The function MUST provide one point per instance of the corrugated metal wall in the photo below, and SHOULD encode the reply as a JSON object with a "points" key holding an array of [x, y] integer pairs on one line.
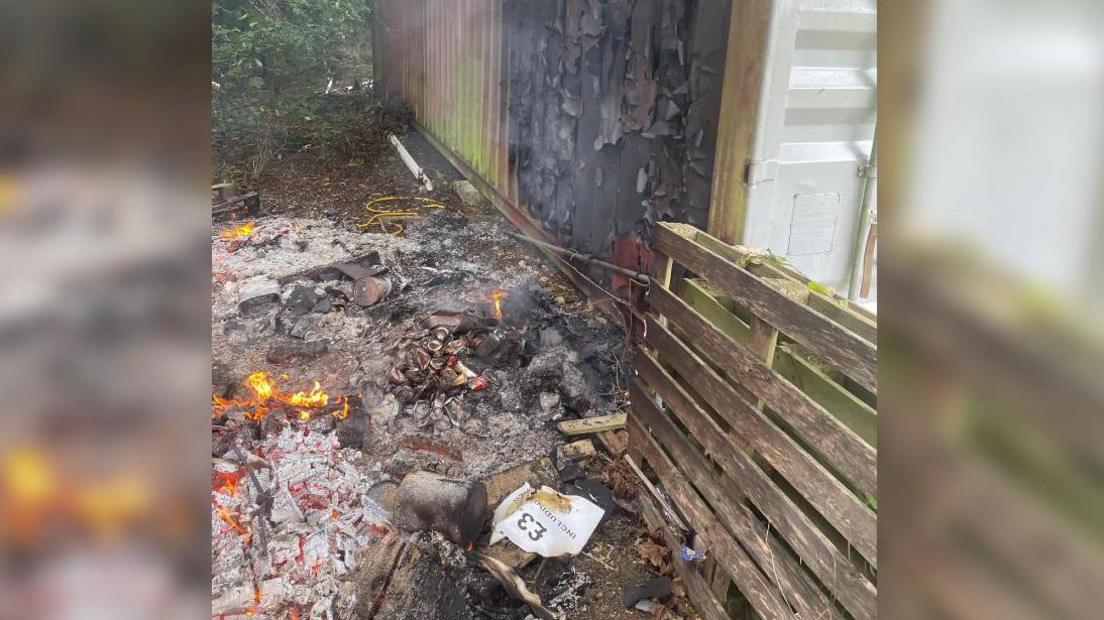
{"points": [[595, 118], [445, 59]]}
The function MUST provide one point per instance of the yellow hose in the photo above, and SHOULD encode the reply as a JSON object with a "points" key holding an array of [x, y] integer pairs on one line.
{"points": [[380, 215]]}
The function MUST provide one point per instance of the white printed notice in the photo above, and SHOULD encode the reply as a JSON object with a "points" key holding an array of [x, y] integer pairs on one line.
{"points": [[545, 521]]}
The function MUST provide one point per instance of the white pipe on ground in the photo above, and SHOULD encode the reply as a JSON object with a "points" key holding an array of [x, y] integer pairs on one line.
{"points": [[412, 165]]}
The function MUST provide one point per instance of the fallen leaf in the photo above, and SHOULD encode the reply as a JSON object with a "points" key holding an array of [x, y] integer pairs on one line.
{"points": [[656, 555]]}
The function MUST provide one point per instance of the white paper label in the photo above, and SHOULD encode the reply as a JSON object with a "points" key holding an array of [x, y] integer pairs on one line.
{"points": [[548, 523]]}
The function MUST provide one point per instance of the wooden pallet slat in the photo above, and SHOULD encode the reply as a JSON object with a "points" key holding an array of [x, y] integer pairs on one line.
{"points": [[835, 398], [851, 354], [754, 405], [830, 565], [833, 501], [696, 586], [853, 317], [764, 597], [773, 558], [836, 442]]}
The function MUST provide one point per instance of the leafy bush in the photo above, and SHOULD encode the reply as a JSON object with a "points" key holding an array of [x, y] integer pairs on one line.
{"points": [[271, 63]]}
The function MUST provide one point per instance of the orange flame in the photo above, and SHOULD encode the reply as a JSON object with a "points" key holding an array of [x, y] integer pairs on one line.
{"points": [[239, 232], [496, 297], [264, 389], [261, 384], [224, 514], [316, 397], [344, 413]]}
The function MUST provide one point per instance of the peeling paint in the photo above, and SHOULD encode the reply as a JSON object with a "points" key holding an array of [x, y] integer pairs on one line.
{"points": [[597, 116]]}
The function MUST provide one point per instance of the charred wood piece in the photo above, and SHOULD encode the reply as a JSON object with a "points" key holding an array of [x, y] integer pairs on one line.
{"points": [[246, 205]]}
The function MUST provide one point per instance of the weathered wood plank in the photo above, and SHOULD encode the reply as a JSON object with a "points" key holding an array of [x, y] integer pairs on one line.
{"points": [[669, 510], [838, 400], [849, 585], [838, 346], [614, 442], [849, 454], [845, 406], [763, 595], [807, 586], [698, 296], [779, 564], [847, 317], [839, 309], [841, 508], [696, 587], [597, 424], [762, 341]]}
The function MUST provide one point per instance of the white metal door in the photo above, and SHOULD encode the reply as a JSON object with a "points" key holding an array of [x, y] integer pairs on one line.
{"points": [[814, 135]]}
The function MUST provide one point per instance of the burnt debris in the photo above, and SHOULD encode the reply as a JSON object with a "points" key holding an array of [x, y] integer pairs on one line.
{"points": [[376, 439]]}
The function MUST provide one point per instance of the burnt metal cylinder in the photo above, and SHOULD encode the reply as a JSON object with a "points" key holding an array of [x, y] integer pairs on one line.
{"points": [[429, 501]]}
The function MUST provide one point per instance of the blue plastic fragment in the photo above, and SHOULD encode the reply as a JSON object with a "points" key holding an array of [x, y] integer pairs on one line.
{"points": [[690, 555]]}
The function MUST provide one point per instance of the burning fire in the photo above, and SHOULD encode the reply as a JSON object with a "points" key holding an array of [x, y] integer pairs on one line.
{"points": [[344, 413], [239, 232], [496, 297], [262, 385], [224, 514], [264, 391], [316, 398]]}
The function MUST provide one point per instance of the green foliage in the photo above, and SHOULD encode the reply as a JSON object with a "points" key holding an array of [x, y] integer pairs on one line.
{"points": [[271, 61]]}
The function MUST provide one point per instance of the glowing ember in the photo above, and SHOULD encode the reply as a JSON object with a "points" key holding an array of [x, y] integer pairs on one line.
{"points": [[239, 232], [229, 481], [304, 415], [496, 297], [28, 478], [258, 413]]}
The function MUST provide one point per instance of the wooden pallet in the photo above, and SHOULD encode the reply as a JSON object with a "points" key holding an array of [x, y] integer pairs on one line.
{"points": [[754, 405]]}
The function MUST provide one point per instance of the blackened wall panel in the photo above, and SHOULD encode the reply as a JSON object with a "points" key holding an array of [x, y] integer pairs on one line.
{"points": [[597, 117]]}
